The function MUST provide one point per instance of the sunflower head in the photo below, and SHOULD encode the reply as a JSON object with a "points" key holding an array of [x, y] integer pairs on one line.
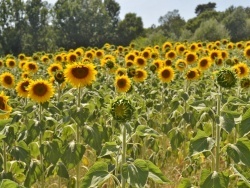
{"points": [[122, 83], [153, 67], [226, 78], [245, 83], [110, 64], [59, 76], [131, 72], [122, 110], [4, 106]]}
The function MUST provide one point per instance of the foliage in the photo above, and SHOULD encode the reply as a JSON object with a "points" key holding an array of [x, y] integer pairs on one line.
{"points": [[204, 7]]}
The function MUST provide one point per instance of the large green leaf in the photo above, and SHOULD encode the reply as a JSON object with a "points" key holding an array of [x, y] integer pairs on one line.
{"points": [[244, 127], [9, 134], [233, 152], [51, 151], [136, 173], [143, 130], [176, 138], [6, 183], [201, 143], [34, 173], [227, 122], [73, 154], [109, 148], [21, 152], [185, 183], [243, 145], [96, 175], [213, 180], [155, 173]]}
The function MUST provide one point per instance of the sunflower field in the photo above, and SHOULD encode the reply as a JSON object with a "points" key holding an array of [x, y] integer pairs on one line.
{"points": [[173, 115]]}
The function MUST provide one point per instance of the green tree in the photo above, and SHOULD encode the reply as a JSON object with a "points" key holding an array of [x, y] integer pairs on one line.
{"points": [[38, 16], [204, 7], [236, 24], [211, 30], [129, 29], [172, 24], [12, 23]]}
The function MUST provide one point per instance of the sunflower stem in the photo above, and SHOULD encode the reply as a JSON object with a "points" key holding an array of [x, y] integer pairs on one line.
{"points": [[40, 143], [217, 157], [78, 139], [124, 149], [4, 158], [59, 92]]}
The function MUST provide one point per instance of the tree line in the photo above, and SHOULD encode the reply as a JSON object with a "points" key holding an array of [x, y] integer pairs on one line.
{"points": [[35, 25]]}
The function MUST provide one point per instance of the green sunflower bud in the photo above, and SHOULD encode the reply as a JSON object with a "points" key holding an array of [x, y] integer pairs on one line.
{"points": [[226, 78], [110, 64], [59, 77], [245, 83], [152, 68], [122, 110], [131, 72]]}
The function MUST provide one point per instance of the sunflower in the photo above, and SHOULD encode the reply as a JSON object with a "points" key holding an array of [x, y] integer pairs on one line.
{"points": [[72, 57], [158, 63], [247, 52], [31, 67], [80, 74], [79, 52], [59, 76], [245, 83], [193, 47], [25, 75], [166, 46], [140, 61], [121, 71], [146, 53], [181, 64], [21, 56], [204, 63], [192, 74], [219, 61], [58, 58], [239, 45], [122, 83], [230, 46], [167, 62], [120, 49], [241, 70], [122, 110], [129, 63], [171, 54], [53, 68], [166, 74], [10, 63], [7, 79], [90, 54], [140, 75], [44, 59], [191, 57], [1, 63], [4, 106], [22, 86], [99, 53], [40, 90], [154, 55], [130, 56], [224, 54], [180, 48]]}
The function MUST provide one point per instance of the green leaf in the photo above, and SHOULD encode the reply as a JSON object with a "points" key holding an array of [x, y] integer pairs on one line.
{"points": [[233, 152], [9, 134], [155, 173], [214, 180], [96, 175], [68, 132], [6, 183], [21, 152], [185, 183], [201, 143], [61, 170], [109, 148], [243, 145], [227, 122], [4, 122], [143, 130], [51, 151], [136, 173], [72, 154], [244, 127], [176, 138], [34, 173], [34, 149]]}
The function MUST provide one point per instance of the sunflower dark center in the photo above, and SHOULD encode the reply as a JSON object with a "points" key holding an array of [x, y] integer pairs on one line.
{"points": [[139, 74], [168, 62], [54, 69], [72, 58], [80, 72], [8, 80], [121, 83], [190, 57], [40, 89], [2, 104], [12, 63], [248, 52], [140, 61], [24, 86], [131, 57], [165, 74], [32, 67], [203, 63], [191, 74], [171, 55], [242, 70]]}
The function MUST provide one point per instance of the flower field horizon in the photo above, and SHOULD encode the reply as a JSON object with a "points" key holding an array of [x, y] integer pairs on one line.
{"points": [[173, 115]]}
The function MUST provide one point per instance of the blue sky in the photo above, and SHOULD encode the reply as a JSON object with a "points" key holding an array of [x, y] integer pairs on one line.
{"points": [[151, 10]]}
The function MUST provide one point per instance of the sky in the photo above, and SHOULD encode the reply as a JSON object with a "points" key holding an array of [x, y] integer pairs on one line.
{"points": [[151, 10]]}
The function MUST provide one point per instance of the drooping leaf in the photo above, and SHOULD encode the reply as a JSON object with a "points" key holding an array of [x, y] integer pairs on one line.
{"points": [[214, 180], [96, 175], [34, 173], [51, 151], [176, 138], [143, 130], [201, 143], [109, 148], [155, 173], [227, 122], [73, 154], [21, 152], [244, 127]]}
